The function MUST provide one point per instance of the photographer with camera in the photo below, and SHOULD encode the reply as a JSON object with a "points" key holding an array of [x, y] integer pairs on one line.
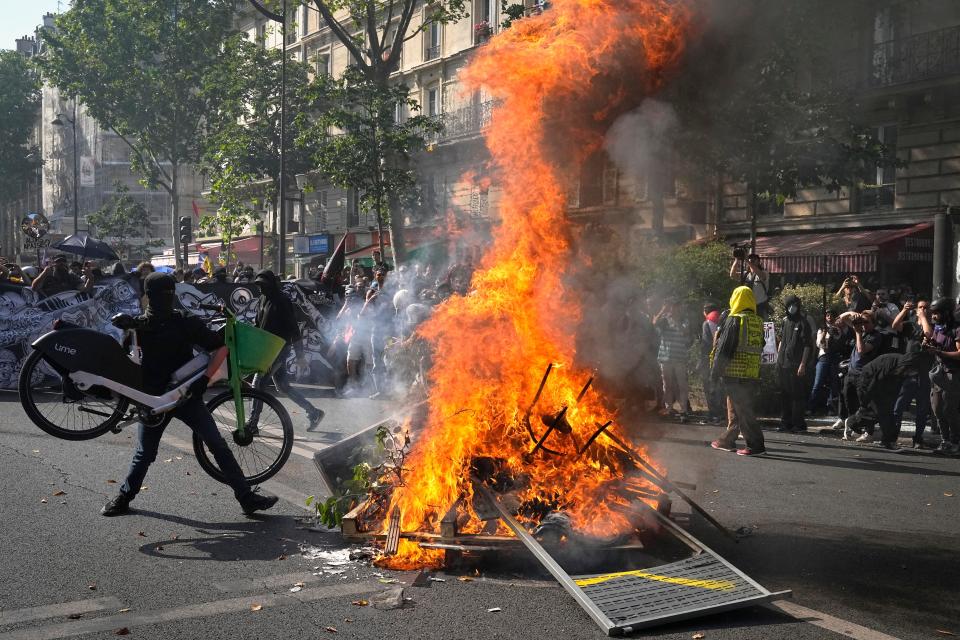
{"points": [[867, 346], [830, 343], [941, 337], [853, 294], [908, 327], [753, 275]]}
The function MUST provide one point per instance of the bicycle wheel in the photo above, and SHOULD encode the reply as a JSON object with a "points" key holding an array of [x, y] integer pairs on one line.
{"points": [[268, 442], [62, 410]]}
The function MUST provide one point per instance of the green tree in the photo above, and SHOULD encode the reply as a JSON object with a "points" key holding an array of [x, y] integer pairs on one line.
{"points": [[691, 274], [19, 106], [124, 223], [358, 142], [767, 103], [373, 32], [241, 154], [236, 196], [138, 68]]}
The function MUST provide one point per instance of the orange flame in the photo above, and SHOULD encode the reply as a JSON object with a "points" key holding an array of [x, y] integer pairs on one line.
{"points": [[559, 78]]}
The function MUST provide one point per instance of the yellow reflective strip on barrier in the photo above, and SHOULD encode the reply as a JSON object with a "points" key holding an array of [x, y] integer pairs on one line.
{"points": [[718, 585]]}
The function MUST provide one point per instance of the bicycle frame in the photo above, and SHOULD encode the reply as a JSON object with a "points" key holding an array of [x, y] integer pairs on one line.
{"points": [[234, 378]]}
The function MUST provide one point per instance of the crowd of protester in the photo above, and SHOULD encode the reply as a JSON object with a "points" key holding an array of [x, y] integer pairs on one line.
{"points": [[873, 356]]}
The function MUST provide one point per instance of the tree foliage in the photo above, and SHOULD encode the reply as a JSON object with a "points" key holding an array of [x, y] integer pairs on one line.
{"points": [[19, 104], [690, 274], [374, 32], [241, 154], [138, 68], [762, 101], [124, 223], [359, 142]]}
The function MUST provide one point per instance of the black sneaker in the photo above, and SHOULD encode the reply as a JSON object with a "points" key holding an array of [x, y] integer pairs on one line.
{"points": [[117, 506], [315, 418], [889, 446], [254, 502]]}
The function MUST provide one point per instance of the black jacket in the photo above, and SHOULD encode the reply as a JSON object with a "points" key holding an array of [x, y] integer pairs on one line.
{"points": [[276, 314], [880, 379]]}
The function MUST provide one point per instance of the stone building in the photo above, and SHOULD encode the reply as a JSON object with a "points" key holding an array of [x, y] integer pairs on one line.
{"points": [[453, 188], [895, 225]]}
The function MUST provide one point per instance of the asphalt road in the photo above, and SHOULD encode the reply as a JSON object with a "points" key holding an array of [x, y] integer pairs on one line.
{"points": [[866, 539]]}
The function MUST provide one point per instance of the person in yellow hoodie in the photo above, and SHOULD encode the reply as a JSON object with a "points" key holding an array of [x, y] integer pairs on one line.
{"points": [[735, 364]]}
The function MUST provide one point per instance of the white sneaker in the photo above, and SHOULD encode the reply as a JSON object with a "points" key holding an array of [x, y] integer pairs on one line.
{"points": [[865, 437], [847, 435], [838, 424]]}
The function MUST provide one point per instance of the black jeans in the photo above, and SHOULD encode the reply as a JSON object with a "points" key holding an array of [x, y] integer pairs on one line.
{"points": [[945, 402], [196, 416], [874, 409], [279, 376], [915, 387], [794, 393], [849, 400]]}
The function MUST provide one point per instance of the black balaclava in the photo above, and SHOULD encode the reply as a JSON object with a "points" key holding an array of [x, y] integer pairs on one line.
{"points": [[269, 284], [793, 306], [160, 289]]}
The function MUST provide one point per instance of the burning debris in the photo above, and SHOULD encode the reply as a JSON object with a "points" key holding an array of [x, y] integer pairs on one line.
{"points": [[540, 440]]}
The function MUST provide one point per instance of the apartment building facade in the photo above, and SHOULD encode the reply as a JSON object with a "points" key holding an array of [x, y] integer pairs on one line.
{"points": [[894, 225], [453, 187]]}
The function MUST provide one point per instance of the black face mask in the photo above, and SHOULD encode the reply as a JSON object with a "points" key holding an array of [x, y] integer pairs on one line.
{"points": [[160, 305]]}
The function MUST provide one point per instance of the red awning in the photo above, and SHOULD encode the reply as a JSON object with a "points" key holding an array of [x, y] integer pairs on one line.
{"points": [[854, 251]]}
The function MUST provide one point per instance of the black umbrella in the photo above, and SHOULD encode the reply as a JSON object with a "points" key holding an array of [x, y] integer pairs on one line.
{"points": [[87, 247]]}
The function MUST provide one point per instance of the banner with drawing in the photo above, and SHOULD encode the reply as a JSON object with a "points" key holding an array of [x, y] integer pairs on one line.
{"points": [[25, 316]]}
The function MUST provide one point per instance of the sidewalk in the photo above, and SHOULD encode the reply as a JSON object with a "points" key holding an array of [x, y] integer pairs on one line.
{"points": [[825, 425]]}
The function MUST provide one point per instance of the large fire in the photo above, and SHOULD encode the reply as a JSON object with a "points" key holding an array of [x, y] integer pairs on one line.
{"points": [[559, 78]]}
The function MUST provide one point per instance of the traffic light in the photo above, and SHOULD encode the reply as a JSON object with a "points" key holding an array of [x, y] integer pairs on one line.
{"points": [[186, 230]]}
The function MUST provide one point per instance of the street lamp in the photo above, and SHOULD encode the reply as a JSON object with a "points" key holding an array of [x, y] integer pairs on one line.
{"points": [[59, 122], [282, 19]]}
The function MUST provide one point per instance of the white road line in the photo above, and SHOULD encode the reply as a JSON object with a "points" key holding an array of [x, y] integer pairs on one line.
{"points": [[233, 605], [830, 623], [30, 614], [267, 582]]}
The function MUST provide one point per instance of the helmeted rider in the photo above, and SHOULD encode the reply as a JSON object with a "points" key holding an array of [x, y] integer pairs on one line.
{"points": [[166, 338], [941, 336]]}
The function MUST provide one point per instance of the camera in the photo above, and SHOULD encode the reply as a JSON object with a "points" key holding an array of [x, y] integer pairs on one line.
{"points": [[739, 253]]}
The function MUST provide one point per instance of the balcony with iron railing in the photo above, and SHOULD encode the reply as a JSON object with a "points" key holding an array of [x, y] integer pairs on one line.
{"points": [[431, 53], [924, 56], [464, 123]]}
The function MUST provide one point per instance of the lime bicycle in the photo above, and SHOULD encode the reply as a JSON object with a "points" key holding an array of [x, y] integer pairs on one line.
{"points": [[78, 383]]}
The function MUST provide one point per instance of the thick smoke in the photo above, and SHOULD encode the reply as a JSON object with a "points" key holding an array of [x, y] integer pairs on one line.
{"points": [[638, 140]]}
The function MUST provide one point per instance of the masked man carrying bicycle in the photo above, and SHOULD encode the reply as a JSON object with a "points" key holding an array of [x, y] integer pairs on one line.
{"points": [[166, 339]]}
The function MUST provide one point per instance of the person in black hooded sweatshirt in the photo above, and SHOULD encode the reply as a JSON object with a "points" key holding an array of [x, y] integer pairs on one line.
{"points": [[796, 348], [167, 338], [878, 386], [275, 313]]}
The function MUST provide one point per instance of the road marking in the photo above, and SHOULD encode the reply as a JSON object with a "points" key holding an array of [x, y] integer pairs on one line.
{"points": [[830, 623], [266, 582], [233, 605], [718, 585], [30, 614]]}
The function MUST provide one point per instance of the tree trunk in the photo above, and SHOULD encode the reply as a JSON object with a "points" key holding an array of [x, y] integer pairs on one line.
{"points": [[397, 241]]}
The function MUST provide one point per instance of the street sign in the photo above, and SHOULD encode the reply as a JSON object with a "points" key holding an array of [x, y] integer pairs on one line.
{"points": [[34, 225], [317, 243], [36, 243]]}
